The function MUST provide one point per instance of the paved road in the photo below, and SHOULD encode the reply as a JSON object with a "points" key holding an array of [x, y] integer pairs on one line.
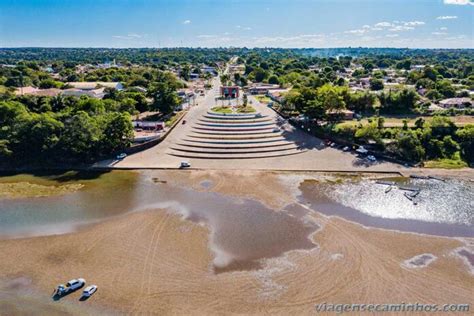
{"points": [[315, 157]]}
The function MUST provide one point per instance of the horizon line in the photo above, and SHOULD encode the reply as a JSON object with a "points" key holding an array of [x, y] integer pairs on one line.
{"points": [[237, 47]]}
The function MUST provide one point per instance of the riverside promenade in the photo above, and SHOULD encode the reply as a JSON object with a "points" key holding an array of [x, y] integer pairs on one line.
{"points": [[258, 141]]}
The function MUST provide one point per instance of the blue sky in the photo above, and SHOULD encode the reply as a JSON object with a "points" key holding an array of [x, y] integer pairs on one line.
{"points": [[251, 23]]}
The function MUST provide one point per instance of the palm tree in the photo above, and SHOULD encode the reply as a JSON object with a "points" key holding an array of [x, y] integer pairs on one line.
{"points": [[225, 79]]}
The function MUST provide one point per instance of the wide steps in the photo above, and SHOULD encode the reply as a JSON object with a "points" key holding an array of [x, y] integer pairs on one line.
{"points": [[241, 125], [277, 154], [241, 150], [230, 118], [268, 145], [235, 141], [234, 136], [235, 132], [237, 137], [219, 121]]}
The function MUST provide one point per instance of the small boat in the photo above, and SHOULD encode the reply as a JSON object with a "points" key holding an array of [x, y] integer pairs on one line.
{"points": [[410, 197], [388, 189], [437, 178], [408, 188], [414, 194]]}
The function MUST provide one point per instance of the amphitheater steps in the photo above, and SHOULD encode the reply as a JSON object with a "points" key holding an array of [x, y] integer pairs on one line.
{"points": [[234, 136], [235, 125], [232, 118], [279, 144], [219, 121], [235, 141], [281, 153]]}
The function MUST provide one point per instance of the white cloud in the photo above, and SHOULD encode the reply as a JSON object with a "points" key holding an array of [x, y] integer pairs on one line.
{"points": [[459, 2], [443, 28], [439, 33], [395, 26], [398, 28], [413, 23], [357, 32], [391, 35], [447, 17], [383, 24], [185, 22]]}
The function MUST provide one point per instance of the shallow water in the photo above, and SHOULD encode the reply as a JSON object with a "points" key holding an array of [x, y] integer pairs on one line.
{"points": [[103, 196], [420, 261], [241, 231], [442, 208]]}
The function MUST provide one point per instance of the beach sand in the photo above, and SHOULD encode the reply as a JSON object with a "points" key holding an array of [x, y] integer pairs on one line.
{"points": [[155, 262]]}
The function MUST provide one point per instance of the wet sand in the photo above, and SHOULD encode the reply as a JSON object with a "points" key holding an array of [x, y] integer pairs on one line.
{"points": [[157, 261]]}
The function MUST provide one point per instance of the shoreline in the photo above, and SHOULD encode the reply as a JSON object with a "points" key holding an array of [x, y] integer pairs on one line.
{"points": [[464, 173]]}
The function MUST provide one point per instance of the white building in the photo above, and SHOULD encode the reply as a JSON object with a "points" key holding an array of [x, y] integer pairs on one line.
{"points": [[96, 93], [459, 103]]}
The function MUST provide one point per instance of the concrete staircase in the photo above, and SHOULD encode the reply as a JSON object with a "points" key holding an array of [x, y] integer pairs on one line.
{"points": [[234, 136]]}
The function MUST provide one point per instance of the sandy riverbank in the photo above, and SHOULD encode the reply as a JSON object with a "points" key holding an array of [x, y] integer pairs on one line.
{"points": [[154, 261]]}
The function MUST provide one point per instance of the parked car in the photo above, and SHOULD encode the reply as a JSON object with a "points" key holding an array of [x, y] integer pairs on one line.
{"points": [[361, 150], [275, 130], [88, 291], [347, 148], [75, 284], [70, 286], [184, 164], [121, 156], [371, 158]]}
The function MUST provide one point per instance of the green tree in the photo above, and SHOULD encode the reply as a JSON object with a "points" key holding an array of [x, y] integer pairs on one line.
{"points": [[165, 97], [466, 142], [81, 136], [376, 84], [450, 146], [409, 146], [118, 132], [273, 80], [369, 132], [225, 78]]}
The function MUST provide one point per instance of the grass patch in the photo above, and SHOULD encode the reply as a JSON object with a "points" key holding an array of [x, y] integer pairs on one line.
{"points": [[16, 186], [26, 189], [445, 164], [222, 109], [173, 119], [246, 109], [263, 99]]}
